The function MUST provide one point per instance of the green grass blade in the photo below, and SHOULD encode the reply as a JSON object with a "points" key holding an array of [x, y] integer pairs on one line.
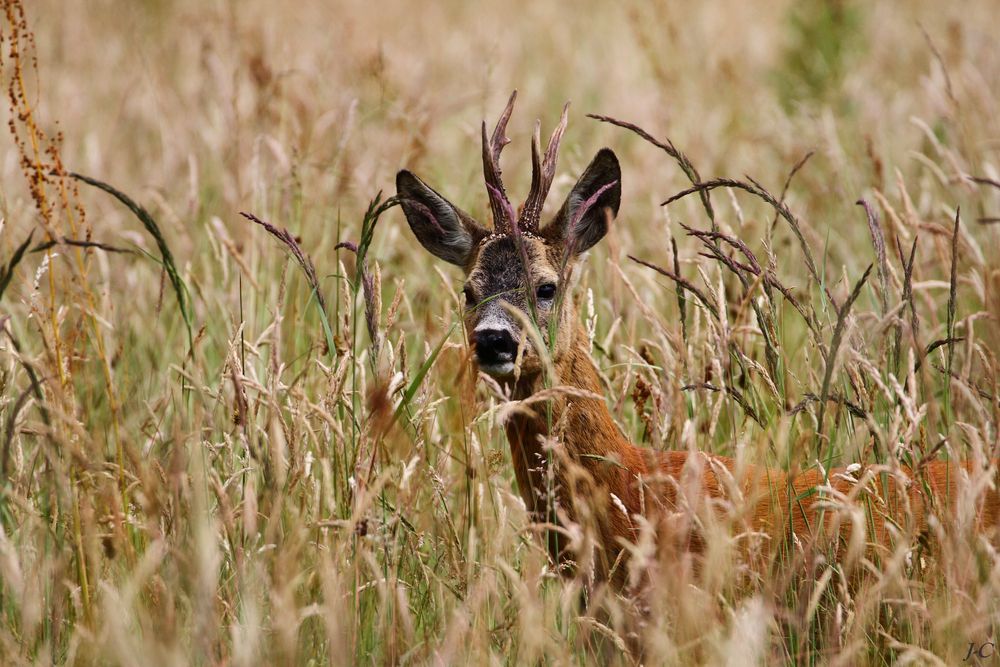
{"points": [[418, 379]]}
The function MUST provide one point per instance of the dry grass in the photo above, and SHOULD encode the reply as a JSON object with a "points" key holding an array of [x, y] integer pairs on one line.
{"points": [[283, 484]]}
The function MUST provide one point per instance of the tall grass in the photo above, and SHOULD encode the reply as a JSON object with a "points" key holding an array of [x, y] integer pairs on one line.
{"points": [[289, 460]]}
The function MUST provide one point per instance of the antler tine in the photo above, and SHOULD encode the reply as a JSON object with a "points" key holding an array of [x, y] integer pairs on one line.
{"points": [[499, 140], [543, 171], [536, 176], [499, 203]]}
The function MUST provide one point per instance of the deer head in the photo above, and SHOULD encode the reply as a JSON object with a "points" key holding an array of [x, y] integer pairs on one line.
{"points": [[521, 273]]}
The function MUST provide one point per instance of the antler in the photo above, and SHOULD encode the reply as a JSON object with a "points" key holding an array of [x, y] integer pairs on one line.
{"points": [[543, 170], [502, 211]]}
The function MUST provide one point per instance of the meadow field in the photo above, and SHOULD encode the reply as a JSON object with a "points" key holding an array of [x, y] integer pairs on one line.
{"points": [[228, 445]]}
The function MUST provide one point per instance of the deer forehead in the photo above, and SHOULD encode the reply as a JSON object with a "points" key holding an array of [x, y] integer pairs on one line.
{"points": [[498, 264]]}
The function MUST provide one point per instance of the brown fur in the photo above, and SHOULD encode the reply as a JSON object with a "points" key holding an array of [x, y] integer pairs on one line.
{"points": [[647, 482], [596, 477]]}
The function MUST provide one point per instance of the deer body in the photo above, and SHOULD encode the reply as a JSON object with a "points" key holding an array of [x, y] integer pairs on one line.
{"points": [[568, 454], [628, 481]]}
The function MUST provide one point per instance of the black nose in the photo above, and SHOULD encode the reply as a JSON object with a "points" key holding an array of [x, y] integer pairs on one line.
{"points": [[494, 346]]}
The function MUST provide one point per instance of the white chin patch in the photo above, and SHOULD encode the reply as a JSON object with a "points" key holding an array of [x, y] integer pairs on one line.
{"points": [[502, 369]]}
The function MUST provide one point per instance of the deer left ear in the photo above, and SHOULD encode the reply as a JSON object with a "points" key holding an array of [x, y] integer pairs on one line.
{"points": [[591, 205]]}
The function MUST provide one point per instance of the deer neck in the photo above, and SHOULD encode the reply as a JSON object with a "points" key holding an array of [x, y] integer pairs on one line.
{"points": [[574, 424]]}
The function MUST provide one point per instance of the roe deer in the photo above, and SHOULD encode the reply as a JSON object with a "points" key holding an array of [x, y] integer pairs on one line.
{"points": [[519, 276]]}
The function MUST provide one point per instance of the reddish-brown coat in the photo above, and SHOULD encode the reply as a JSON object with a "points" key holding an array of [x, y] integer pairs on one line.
{"points": [[596, 464]]}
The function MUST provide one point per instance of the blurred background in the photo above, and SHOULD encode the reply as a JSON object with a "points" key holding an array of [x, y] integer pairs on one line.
{"points": [[204, 108], [210, 497]]}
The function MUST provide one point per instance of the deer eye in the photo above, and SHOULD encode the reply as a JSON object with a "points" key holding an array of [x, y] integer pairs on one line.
{"points": [[470, 297], [546, 291]]}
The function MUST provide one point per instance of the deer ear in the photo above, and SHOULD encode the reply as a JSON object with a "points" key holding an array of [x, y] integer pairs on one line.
{"points": [[591, 205], [442, 228]]}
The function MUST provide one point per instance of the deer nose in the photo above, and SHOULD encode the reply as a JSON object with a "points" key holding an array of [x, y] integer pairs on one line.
{"points": [[494, 346]]}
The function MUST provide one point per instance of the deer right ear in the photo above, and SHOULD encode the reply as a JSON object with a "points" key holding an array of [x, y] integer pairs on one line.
{"points": [[441, 227]]}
